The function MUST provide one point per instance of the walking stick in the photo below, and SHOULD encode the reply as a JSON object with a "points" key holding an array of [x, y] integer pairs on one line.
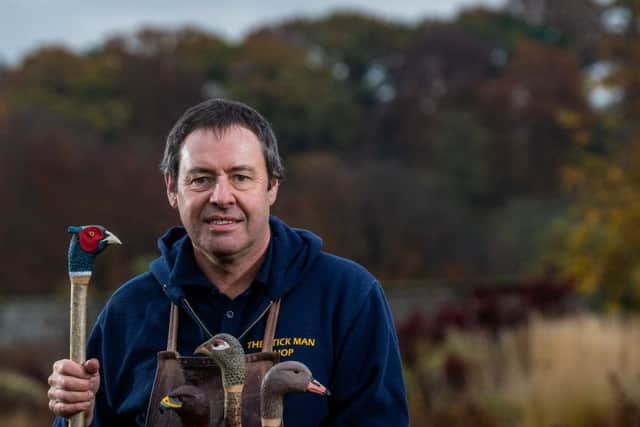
{"points": [[86, 242]]}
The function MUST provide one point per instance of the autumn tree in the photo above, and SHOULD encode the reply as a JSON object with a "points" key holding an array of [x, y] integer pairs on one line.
{"points": [[596, 243], [412, 149]]}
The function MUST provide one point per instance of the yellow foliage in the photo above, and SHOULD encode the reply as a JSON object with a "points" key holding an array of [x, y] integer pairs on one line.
{"points": [[583, 138], [597, 244], [569, 119]]}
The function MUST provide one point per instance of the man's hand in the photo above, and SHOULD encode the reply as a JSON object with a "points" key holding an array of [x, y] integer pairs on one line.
{"points": [[73, 388]]}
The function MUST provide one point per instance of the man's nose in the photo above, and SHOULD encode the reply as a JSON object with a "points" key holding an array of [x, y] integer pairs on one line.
{"points": [[222, 194]]}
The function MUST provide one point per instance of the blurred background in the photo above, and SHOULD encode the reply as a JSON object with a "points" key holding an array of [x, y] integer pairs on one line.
{"points": [[481, 158]]}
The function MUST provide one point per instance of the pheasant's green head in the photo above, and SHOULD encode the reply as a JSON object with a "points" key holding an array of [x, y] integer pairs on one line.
{"points": [[87, 242]]}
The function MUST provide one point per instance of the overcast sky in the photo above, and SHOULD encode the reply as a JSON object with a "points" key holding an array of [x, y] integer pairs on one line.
{"points": [[26, 24]]}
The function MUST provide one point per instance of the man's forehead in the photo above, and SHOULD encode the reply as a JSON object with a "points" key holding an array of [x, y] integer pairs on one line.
{"points": [[235, 149]]}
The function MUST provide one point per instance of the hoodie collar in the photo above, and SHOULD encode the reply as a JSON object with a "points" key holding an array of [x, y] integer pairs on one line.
{"points": [[289, 255]]}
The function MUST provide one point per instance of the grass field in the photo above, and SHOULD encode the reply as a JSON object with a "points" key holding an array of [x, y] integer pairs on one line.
{"points": [[578, 371], [581, 371]]}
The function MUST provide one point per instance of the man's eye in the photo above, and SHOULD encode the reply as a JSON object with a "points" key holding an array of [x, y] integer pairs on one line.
{"points": [[242, 182], [200, 181]]}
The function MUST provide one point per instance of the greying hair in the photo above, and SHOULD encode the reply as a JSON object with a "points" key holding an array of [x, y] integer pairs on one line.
{"points": [[219, 115]]}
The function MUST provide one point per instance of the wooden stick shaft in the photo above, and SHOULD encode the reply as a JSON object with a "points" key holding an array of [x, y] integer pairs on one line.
{"points": [[78, 330]]}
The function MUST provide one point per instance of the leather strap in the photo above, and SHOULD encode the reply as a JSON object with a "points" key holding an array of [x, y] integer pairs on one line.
{"points": [[270, 329], [172, 339]]}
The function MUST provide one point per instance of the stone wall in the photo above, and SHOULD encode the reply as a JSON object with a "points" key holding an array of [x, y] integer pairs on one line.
{"points": [[33, 319]]}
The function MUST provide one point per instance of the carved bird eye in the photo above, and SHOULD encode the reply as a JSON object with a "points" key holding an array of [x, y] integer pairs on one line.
{"points": [[220, 345], [296, 371]]}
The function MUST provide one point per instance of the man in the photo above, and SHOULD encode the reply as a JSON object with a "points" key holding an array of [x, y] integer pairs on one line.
{"points": [[229, 262]]}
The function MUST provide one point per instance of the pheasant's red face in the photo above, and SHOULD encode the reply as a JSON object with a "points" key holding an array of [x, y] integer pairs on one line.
{"points": [[90, 237]]}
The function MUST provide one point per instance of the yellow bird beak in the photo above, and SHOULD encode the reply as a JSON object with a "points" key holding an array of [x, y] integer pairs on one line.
{"points": [[169, 403]]}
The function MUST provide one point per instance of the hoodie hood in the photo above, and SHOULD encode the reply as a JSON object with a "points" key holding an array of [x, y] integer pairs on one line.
{"points": [[290, 254]]}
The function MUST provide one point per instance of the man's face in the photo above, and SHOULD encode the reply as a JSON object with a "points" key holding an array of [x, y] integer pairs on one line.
{"points": [[222, 193]]}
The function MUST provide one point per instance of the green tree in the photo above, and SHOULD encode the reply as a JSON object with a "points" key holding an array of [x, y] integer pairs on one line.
{"points": [[80, 90]]}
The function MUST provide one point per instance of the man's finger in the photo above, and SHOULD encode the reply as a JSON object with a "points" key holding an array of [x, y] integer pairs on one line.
{"points": [[68, 409], [63, 396], [92, 366], [70, 368], [68, 383]]}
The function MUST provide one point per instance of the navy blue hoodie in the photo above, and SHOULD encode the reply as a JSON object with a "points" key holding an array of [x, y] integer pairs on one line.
{"points": [[333, 317]]}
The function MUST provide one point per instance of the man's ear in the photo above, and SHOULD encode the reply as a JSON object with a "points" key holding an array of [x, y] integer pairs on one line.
{"points": [[171, 187], [273, 191]]}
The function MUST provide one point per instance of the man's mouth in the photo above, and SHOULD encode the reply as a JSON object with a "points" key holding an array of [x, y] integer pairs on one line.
{"points": [[221, 221]]}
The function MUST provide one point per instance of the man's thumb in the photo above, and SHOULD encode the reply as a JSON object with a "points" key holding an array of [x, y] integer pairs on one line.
{"points": [[92, 366]]}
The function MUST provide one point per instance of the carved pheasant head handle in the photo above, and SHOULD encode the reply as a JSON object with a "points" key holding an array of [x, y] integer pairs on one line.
{"points": [[86, 242]]}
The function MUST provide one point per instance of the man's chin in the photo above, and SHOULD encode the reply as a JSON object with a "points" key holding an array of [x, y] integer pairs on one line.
{"points": [[220, 249]]}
